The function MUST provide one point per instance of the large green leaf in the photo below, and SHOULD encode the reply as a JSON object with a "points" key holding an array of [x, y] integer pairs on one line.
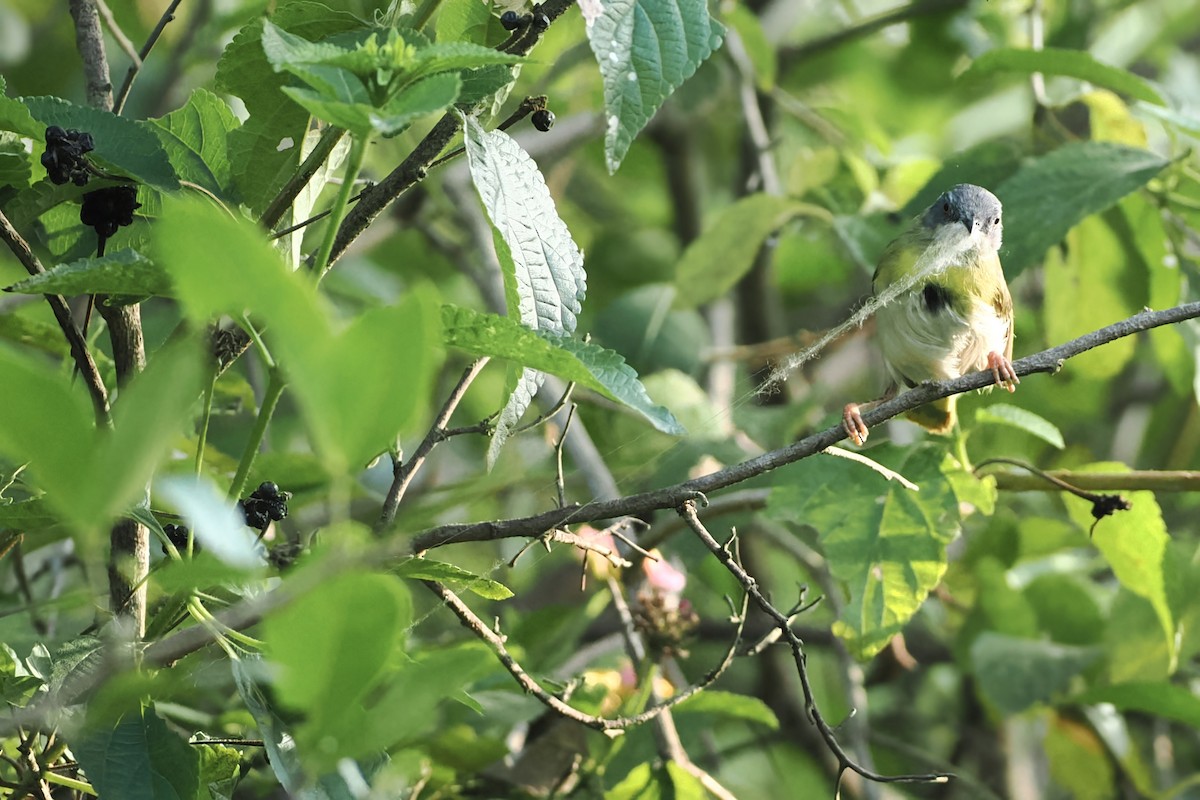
{"points": [[423, 97], [125, 272], [140, 759], [1135, 543], [645, 49], [718, 258], [16, 167], [1014, 673], [124, 145], [90, 476], [1089, 284], [885, 542], [731, 705], [355, 400], [196, 140], [544, 279], [1050, 194], [1161, 699], [582, 362], [1071, 63], [1022, 419]]}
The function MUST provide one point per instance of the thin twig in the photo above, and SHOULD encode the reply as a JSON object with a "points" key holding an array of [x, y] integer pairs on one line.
{"points": [[136, 66], [687, 510], [404, 472], [119, 35], [1139, 480], [611, 726], [560, 483]]}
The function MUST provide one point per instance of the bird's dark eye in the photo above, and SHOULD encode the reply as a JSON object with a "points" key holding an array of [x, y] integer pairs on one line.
{"points": [[997, 222], [946, 207]]}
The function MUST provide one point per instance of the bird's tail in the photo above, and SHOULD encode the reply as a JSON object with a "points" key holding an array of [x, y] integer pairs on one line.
{"points": [[938, 416]]}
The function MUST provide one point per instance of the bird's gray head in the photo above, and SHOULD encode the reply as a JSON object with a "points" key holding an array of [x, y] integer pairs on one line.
{"points": [[977, 209]]}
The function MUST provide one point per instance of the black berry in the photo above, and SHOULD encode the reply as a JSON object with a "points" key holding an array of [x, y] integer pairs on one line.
{"points": [[106, 210], [178, 536], [64, 158], [264, 505], [511, 20], [543, 119]]}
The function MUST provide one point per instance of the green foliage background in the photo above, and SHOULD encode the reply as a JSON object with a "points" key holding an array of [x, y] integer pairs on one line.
{"points": [[977, 626]]}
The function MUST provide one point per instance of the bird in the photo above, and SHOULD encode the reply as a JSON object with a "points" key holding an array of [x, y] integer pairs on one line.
{"points": [[951, 313]]}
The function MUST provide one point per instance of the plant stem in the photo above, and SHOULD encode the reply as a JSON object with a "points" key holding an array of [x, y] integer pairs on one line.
{"points": [[354, 162], [424, 12], [202, 436], [70, 783], [275, 387]]}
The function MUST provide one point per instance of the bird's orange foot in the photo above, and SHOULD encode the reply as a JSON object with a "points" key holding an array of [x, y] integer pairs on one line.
{"points": [[1002, 370], [853, 424]]}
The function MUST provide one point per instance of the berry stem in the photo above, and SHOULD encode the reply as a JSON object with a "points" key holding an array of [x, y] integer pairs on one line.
{"points": [[275, 387], [354, 162], [202, 434]]}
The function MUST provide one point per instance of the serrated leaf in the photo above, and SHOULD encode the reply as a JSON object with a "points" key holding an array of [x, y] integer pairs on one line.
{"points": [[717, 259], [447, 56], [15, 117], [195, 138], [1070, 63], [885, 542], [425, 569], [126, 146], [1014, 674], [26, 515], [646, 49], [125, 272], [265, 151], [587, 364], [1051, 194], [548, 283], [544, 279], [1022, 419], [15, 166], [138, 759], [986, 164]]}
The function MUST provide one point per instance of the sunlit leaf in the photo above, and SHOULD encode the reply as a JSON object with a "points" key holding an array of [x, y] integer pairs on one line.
{"points": [[1071, 63], [124, 272]]}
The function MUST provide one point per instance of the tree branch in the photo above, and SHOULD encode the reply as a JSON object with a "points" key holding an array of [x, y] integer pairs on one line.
{"points": [[1048, 361], [136, 66]]}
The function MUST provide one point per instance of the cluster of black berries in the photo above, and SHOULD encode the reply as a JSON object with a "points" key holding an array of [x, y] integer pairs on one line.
{"points": [[265, 505], [178, 536], [64, 157], [511, 20], [106, 210]]}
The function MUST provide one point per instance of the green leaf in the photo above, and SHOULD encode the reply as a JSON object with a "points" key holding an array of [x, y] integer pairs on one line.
{"points": [[1049, 195], [642, 783], [26, 515], [646, 49], [139, 759], [731, 705], [1070, 63], [885, 542], [125, 272], [1088, 284], [16, 167], [196, 139], [464, 21], [426, 96], [126, 146], [354, 402], [719, 257], [582, 362], [277, 741], [15, 117], [220, 770], [447, 56], [1014, 674], [684, 785], [1022, 419], [544, 279], [308, 640], [265, 151], [1161, 699], [1135, 544], [17, 684], [457, 578]]}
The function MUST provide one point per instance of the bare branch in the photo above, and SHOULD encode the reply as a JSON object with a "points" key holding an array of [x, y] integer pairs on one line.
{"points": [[1048, 361], [687, 510], [139, 58]]}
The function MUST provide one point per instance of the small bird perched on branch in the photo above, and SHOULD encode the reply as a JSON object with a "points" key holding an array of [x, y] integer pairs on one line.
{"points": [[944, 309]]}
